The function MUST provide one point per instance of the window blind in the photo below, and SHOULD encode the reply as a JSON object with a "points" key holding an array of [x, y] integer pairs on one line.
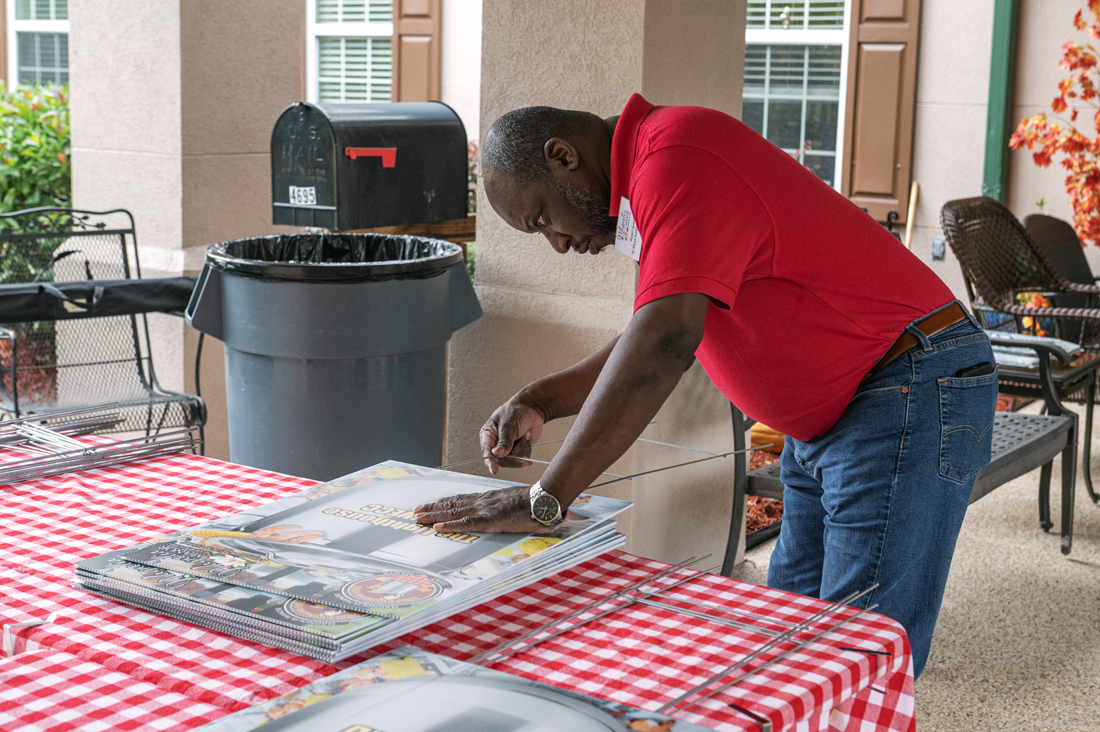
{"points": [[799, 14], [355, 69], [43, 58], [41, 9], [352, 11], [792, 97]]}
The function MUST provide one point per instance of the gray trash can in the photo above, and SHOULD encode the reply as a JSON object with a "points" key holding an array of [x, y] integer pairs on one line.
{"points": [[335, 347]]}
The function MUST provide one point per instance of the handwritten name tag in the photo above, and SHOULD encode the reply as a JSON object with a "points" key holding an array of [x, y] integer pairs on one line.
{"points": [[628, 239]]}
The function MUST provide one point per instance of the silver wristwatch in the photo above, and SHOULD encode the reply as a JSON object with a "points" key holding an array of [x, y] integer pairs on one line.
{"points": [[544, 507]]}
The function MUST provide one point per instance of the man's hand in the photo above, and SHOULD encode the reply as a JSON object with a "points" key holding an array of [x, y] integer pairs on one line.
{"points": [[499, 511], [509, 434], [517, 424]]}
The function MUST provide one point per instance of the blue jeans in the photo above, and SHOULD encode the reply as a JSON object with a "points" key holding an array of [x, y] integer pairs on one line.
{"points": [[881, 496]]}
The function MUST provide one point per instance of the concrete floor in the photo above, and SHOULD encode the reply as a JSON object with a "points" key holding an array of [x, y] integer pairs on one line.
{"points": [[1017, 645]]}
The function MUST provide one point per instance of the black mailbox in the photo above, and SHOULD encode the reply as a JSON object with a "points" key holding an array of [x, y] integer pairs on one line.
{"points": [[357, 166]]}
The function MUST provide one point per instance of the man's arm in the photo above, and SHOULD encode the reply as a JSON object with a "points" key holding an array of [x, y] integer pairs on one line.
{"points": [[642, 370], [517, 424]]}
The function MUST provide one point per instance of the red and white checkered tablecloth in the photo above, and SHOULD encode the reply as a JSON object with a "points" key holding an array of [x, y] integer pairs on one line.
{"points": [[106, 666]]}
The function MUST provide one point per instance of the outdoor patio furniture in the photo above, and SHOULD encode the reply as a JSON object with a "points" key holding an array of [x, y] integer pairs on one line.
{"points": [[1021, 443], [73, 325], [1058, 241], [1002, 265], [1063, 248]]}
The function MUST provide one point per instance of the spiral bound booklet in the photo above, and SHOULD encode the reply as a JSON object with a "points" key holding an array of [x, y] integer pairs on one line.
{"points": [[335, 566]]}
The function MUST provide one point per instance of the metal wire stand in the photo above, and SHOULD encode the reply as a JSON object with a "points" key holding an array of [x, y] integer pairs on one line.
{"points": [[779, 632], [50, 438]]}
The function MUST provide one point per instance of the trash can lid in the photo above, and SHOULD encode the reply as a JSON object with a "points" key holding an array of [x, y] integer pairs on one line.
{"points": [[335, 257]]}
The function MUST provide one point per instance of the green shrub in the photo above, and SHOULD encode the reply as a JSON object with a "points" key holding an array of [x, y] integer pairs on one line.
{"points": [[471, 251], [35, 153], [35, 170]]}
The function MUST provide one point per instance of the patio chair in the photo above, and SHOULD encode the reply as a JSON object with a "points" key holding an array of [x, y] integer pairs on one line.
{"points": [[73, 325], [1000, 262], [1002, 265], [1058, 241], [1063, 248]]}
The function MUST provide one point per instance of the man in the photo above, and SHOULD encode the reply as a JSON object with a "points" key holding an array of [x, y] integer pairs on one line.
{"points": [[804, 311]]}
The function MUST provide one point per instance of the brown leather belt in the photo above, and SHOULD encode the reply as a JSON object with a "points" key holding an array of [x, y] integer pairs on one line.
{"points": [[929, 325]]}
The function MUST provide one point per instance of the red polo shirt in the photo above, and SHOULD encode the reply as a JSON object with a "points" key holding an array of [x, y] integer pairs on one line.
{"points": [[807, 291]]}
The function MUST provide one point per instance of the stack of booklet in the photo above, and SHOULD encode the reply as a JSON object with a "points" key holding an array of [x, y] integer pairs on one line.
{"points": [[409, 690], [336, 569]]}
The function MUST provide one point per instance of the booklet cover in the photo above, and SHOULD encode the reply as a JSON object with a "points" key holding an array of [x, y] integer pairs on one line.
{"points": [[256, 606], [409, 690], [321, 648], [353, 544]]}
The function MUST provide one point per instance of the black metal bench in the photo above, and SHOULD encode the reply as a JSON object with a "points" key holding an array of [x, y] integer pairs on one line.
{"points": [[73, 326], [1021, 443]]}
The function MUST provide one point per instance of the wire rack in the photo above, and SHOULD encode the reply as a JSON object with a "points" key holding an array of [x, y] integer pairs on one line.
{"points": [[782, 638], [41, 446]]}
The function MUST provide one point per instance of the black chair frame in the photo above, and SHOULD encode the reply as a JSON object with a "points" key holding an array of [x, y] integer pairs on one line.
{"points": [[55, 245]]}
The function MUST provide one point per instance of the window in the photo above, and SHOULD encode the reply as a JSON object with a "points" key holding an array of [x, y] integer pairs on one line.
{"points": [[795, 55], [38, 42], [350, 56]]}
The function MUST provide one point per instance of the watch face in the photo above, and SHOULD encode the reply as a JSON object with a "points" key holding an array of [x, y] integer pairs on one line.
{"points": [[545, 508]]}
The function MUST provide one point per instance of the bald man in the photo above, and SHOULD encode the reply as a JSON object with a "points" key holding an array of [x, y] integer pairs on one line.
{"points": [[805, 312]]}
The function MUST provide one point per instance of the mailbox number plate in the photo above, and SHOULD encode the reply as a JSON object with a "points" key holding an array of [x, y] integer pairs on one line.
{"points": [[303, 196]]}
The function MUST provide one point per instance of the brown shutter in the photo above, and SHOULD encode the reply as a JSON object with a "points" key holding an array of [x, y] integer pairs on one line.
{"points": [[879, 109], [416, 38]]}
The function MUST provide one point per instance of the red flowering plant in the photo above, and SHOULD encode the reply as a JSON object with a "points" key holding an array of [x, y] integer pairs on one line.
{"points": [[1034, 326], [1081, 153]]}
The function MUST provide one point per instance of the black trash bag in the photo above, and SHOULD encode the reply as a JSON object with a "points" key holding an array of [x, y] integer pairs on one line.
{"points": [[335, 257]]}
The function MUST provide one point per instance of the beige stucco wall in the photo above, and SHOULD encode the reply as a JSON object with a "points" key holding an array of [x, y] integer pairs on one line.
{"points": [[949, 131], [460, 58], [1044, 26], [545, 311], [172, 109], [952, 92]]}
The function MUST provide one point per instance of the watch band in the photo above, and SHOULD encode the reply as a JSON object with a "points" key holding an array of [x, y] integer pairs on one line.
{"points": [[542, 503]]}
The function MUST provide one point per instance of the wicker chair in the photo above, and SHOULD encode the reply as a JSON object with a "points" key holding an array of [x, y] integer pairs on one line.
{"points": [[999, 261], [1058, 241], [1060, 244]]}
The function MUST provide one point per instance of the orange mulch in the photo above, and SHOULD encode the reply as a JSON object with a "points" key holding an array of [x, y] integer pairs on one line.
{"points": [[760, 458], [761, 512], [1006, 403]]}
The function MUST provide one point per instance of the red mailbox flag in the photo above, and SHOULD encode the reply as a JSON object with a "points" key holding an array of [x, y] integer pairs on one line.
{"points": [[388, 154]]}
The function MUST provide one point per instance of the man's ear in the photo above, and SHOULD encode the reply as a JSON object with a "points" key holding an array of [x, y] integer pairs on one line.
{"points": [[559, 152]]}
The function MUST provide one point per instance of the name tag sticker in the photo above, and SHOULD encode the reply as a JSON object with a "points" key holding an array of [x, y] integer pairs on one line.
{"points": [[628, 239]]}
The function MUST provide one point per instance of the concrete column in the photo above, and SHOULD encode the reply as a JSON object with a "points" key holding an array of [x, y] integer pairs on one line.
{"points": [[173, 104], [545, 311], [460, 79]]}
